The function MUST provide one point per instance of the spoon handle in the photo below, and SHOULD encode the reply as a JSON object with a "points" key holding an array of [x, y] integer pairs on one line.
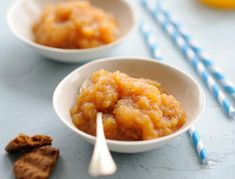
{"points": [[102, 162]]}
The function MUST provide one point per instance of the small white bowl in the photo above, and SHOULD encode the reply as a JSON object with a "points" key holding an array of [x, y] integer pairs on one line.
{"points": [[23, 13], [179, 84]]}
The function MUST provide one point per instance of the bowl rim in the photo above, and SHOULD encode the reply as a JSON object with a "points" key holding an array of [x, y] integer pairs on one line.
{"points": [[62, 50], [129, 143]]}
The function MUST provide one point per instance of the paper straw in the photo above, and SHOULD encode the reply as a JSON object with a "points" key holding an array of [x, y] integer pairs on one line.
{"points": [[198, 144], [204, 57], [193, 59], [151, 43]]}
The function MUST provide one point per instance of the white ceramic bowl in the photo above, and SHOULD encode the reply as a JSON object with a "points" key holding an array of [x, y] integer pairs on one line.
{"points": [[23, 13], [179, 84]]}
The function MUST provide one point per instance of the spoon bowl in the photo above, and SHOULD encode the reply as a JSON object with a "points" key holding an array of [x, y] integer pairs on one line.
{"points": [[179, 84]]}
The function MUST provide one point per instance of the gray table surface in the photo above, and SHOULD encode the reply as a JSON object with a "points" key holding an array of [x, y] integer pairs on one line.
{"points": [[27, 82]]}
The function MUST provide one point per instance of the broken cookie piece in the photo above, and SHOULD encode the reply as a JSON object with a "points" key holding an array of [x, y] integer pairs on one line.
{"points": [[37, 164], [24, 142]]}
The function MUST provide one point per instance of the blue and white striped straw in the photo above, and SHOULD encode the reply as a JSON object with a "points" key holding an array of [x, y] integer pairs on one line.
{"points": [[193, 59], [152, 44], [204, 57], [151, 41], [197, 142]]}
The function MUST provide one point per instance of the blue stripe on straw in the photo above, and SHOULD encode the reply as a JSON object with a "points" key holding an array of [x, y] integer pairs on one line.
{"points": [[203, 156], [204, 77], [206, 63], [197, 142], [229, 89], [218, 76], [215, 91], [226, 105], [195, 138]]}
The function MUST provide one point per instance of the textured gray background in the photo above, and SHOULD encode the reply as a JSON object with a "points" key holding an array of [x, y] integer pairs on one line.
{"points": [[27, 81]]}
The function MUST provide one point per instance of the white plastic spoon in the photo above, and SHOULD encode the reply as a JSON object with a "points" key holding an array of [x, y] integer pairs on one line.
{"points": [[102, 162]]}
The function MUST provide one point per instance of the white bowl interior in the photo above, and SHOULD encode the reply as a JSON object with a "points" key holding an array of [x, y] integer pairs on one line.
{"points": [[181, 86], [24, 13]]}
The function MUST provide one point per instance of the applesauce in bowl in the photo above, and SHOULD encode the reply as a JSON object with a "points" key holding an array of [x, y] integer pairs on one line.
{"points": [[133, 108], [75, 25]]}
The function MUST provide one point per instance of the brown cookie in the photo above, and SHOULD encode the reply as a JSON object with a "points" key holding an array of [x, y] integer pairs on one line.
{"points": [[37, 164], [24, 142]]}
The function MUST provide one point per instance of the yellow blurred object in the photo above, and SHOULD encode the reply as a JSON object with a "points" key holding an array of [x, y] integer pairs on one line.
{"points": [[226, 4]]}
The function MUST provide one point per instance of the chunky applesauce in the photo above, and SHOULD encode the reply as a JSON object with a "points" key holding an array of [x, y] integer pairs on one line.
{"points": [[75, 25], [133, 109]]}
